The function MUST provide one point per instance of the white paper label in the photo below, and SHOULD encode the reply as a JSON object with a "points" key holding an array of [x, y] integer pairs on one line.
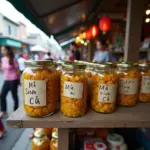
{"points": [[35, 92], [128, 86], [107, 93], [145, 86], [73, 90]]}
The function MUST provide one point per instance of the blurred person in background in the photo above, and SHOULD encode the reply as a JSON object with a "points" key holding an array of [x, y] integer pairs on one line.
{"points": [[48, 56], [101, 54], [71, 57], [21, 61], [11, 75], [74, 51], [2, 131]]}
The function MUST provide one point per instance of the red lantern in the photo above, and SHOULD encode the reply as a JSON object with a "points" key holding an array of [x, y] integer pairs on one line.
{"points": [[104, 23], [88, 34], [94, 30]]}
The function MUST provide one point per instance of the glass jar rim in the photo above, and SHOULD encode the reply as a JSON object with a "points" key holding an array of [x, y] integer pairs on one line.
{"points": [[101, 66], [125, 65], [110, 64], [39, 133], [144, 65], [39, 63], [55, 135]]}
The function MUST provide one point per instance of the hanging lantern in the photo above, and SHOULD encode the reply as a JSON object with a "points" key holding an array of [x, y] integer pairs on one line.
{"points": [[94, 31], [104, 23], [88, 34]]}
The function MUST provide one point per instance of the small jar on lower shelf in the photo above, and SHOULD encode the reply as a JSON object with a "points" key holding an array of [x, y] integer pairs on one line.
{"points": [[104, 89], [116, 142], [129, 77], [54, 141], [144, 95], [39, 88], [74, 90], [40, 141]]}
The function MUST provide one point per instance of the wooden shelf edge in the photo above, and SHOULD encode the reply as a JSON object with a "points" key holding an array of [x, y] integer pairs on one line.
{"points": [[137, 116]]}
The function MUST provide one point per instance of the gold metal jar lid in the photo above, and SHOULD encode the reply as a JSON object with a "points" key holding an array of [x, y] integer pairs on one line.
{"points": [[59, 62], [125, 65], [101, 66], [68, 67], [39, 133], [90, 66], [39, 63], [110, 64], [79, 66], [55, 135], [144, 65]]}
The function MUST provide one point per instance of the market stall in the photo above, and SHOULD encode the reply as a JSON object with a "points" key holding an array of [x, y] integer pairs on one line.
{"points": [[137, 116]]}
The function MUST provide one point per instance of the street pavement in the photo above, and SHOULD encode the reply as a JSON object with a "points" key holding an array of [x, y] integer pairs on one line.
{"points": [[15, 139]]}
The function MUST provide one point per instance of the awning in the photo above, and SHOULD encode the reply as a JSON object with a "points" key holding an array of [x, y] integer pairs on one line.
{"points": [[57, 17], [10, 42], [65, 18]]}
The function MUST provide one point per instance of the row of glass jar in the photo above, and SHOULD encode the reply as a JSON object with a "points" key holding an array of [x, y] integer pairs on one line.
{"points": [[102, 85], [45, 139]]}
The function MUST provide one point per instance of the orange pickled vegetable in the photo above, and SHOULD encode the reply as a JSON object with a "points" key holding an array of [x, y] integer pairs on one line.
{"points": [[45, 80], [128, 87], [104, 92], [73, 94]]}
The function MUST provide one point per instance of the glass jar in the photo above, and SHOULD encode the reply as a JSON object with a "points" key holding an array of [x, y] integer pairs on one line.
{"points": [[144, 95], [74, 90], [128, 76], [47, 131], [116, 142], [40, 141], [89, 70], [54, 141], [104, 89], [39, 90]]}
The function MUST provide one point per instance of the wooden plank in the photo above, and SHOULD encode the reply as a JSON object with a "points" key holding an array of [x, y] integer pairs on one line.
{"points": [[63, 139], [135, 12], [137, 116]]}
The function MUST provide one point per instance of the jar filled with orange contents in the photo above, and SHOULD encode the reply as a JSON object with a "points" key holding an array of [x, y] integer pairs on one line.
{"points": [[40, 140], [145, 83], [54, 141], [104, 89], [74, 90], [128, 76], [39, 89], [89, 70]]}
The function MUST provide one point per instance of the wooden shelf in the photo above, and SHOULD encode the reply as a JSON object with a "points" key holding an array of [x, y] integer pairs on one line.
{"points": [[138, 116]]}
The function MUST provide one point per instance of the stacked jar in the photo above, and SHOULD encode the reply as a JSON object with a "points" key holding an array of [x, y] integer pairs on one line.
{"points": [[128, 76], [40, 140], [54, 141], [39, 90], [144, 95], [74, 90], [104, 85]]}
